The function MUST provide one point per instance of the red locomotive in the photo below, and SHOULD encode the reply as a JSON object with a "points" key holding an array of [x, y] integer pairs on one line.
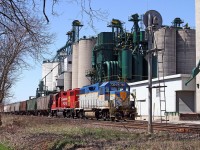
{"points": [[66, 103]]}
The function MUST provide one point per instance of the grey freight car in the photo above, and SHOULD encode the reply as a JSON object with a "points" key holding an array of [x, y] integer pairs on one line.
{"points": [[44, 105]]}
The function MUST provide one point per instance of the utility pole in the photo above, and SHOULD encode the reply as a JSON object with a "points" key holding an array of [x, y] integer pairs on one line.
{"points": [[149, 59], [153, 21]]}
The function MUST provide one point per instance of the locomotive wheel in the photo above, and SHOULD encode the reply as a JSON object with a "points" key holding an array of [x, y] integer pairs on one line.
{"points": [[104, 115], [97, 114], [64, 114], [112, 118], [80, 114]]}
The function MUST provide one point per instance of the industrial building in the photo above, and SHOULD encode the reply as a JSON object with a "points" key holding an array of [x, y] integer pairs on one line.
{"points": [[164, 54]]}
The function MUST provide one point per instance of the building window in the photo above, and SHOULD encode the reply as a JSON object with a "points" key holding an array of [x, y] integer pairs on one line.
{"points": [[69, 62]]}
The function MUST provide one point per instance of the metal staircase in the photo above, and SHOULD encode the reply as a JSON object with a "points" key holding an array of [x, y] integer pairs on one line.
{"points": [[161, 87]]}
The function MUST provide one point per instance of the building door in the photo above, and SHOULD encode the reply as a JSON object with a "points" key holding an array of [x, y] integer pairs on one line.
{"points": [[185, 101]]}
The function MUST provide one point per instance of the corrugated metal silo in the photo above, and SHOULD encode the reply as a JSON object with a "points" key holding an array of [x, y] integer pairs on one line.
{"points": [[185, 51], [85, 60], [165, 38], [75, 65]]}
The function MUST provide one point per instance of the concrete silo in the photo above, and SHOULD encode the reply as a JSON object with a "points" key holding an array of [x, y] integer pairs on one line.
{"points": [[75, 61], [165, 39], [185, 51], [197, 19], [46, 68], [54, 75], [85, 60], [68, 73], [49, 75]]}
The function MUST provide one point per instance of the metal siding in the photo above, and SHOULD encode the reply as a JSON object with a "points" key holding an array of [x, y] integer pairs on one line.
{"points": [[185, 101], [89, 100], [31, 104], [7, 108], [22, 106], [127, 64], [14, 107], [43, 103]]}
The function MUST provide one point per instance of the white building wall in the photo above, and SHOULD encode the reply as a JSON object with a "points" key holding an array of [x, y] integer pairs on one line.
{"points": [[174, 83], [197, 20]]}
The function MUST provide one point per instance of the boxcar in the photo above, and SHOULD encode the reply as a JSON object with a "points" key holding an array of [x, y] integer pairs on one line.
{"points": [[22, 108], [31, 106], [44, 105]]}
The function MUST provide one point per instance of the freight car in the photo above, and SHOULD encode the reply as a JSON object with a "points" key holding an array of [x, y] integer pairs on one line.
{"points": [[22, 108], [101, 101], [31, 106], [6, 108], [14, 108]]}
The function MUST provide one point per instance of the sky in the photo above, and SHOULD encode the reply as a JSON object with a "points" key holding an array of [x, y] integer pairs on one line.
{"points": [[67, 11]]}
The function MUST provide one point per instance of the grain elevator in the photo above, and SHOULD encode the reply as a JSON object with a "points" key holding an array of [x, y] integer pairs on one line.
{"points": [[121, 55]]}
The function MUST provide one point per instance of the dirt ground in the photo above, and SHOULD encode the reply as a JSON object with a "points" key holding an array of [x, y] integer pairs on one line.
{"points": [[43, 133]]}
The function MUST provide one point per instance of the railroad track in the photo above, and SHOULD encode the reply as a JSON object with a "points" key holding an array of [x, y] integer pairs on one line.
{"points": [[169, 127], [136, 124]]}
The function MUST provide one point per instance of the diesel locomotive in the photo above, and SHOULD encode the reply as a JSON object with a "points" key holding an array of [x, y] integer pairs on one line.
{"points": [[107, 100]]}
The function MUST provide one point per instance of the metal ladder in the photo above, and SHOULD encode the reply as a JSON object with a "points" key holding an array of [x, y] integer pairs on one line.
{"points": [[161, 87]]}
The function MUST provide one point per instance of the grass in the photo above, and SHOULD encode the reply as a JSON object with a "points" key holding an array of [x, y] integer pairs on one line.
{"points": [[22, 132], [3, 147]]}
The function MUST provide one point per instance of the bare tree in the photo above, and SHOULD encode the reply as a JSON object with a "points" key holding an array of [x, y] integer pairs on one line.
{"points": [[15, 16], [86, 9], [22, 36]]}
